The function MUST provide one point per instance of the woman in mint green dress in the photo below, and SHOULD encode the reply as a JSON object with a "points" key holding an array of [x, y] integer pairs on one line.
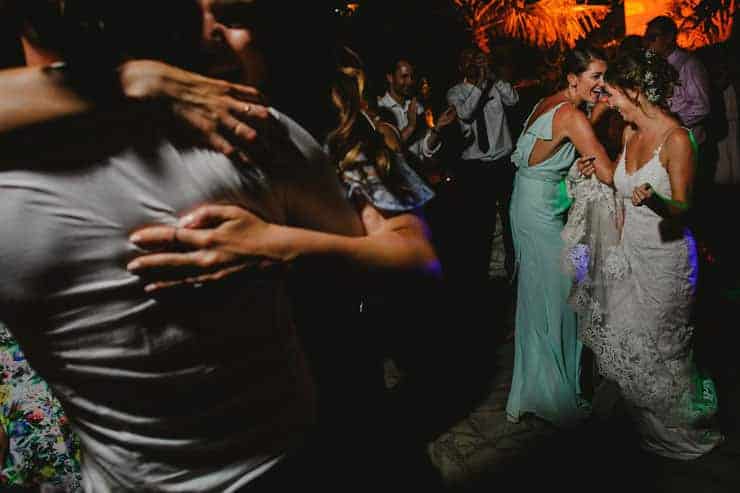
{"points": [[547, 350]]}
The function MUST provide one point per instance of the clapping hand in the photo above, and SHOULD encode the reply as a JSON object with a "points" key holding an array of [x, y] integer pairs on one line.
{"points": [[412, 113], [448, 116], [641, 194]]}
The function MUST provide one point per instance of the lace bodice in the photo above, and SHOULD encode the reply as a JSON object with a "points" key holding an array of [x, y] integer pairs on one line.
{"points": [[651, 172]]}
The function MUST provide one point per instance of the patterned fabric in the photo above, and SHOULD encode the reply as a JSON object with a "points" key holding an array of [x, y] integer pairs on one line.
{"points": [[402, 191], [592, 237], [42, 447]]}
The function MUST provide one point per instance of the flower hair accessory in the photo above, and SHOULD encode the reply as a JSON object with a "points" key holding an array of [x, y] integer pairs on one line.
{"points": [[650, 80], [656, 80]]}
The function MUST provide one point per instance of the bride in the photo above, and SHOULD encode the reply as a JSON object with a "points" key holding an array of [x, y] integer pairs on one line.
{"points": [[635, 265]]}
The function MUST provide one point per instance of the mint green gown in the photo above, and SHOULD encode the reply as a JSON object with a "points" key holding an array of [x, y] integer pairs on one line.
{"points": [[547, 350]]}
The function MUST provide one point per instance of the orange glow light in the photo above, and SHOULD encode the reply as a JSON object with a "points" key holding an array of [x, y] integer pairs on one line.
{"points": [[429, 117], [637, 13], [692, 35], [543, 23]]}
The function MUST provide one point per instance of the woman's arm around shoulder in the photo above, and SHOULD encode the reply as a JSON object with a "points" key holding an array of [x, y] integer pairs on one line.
{"points": [[572, 123], [221, 114], [234, 239]]}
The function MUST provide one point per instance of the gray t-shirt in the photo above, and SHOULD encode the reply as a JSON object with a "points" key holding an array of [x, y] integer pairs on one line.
{"points": [[195, 390]]}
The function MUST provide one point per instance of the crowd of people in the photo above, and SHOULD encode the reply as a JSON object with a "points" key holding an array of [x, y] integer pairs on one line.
{"points": [[196, 295]]}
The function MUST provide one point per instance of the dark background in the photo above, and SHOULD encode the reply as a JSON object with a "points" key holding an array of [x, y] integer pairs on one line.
{"points": [[300, 41]]}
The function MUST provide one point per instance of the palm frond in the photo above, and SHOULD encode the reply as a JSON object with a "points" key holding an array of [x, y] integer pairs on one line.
{"points": [[703, 22], [543, 23]]}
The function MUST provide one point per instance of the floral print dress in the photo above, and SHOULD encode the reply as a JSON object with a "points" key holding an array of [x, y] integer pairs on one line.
{"points": [[42, 449]]}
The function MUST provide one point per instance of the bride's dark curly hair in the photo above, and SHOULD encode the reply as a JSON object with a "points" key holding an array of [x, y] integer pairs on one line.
{"points": [[646, 72]]}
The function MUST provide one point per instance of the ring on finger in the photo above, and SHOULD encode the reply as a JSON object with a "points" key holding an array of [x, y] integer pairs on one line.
{"points": [[247, 108], [236, 128]]}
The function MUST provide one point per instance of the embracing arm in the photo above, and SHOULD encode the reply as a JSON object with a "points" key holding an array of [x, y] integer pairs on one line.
{"points": [[32, 96], [235, 239], [321, 224], [579, 130], [397, 242]]}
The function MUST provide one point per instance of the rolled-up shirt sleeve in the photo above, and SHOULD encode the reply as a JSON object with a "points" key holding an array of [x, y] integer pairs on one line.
{"points": [[426, 150], [464, 102]]}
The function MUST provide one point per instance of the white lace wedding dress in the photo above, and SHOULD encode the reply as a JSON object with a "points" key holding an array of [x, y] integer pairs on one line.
{"points": [[634, 297]]}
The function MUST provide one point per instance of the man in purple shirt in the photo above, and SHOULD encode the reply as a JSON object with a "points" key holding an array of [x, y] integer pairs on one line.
{"points": [[690, 101]]}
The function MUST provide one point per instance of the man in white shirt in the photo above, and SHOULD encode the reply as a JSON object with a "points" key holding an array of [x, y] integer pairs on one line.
{"points": [[484, 175], [421, 141]]}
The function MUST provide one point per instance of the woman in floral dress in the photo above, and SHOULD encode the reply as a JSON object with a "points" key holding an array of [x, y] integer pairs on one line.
{"points": [[40, 446]]}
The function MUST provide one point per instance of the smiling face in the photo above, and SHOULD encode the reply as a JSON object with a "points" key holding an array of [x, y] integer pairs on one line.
{"points": [[625, 101], [588, 84], [401, 81]]}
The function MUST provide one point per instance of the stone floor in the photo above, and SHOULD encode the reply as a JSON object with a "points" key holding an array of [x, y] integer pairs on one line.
{"points": [[482, 451]]}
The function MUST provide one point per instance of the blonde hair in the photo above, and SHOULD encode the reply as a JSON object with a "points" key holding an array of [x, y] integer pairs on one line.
{"points": [[355, 135]]}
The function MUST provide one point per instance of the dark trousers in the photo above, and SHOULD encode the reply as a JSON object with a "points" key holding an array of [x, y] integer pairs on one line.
{"points": [[463, 219]]}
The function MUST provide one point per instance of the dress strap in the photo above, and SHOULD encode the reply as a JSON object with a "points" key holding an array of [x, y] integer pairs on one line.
{"points": [[537, 105], [541, 127], [668, 134]]}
